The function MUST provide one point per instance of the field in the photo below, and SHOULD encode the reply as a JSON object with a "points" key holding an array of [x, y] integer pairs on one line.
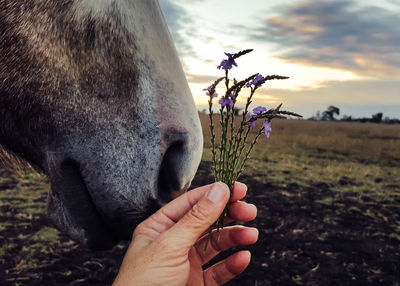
{"points": [[328, 195]]}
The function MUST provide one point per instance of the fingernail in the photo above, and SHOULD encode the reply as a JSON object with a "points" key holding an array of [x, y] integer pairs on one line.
{"points": [[255, 231], [216, 193], [240, 184], [248, 254]]}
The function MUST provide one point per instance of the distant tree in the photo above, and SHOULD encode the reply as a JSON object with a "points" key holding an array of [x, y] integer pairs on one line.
{"points": [[346, 118], [236, 111], [386, 119], [377, 118], [329, 114], [317, 116]]}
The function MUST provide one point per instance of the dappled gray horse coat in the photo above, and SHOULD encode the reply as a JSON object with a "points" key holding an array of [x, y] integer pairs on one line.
{"points": [[92, 93]]}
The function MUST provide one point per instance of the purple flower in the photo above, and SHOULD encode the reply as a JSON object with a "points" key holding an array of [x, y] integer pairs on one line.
{"points": [[258, 78], [214, 94], [227, 64], [231, 96], [258, 110], [209, 89], [226, 102], [267, 127], [251, 122]]}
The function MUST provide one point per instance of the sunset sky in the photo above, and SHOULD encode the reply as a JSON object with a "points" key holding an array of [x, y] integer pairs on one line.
{"points": [[343, 53]]}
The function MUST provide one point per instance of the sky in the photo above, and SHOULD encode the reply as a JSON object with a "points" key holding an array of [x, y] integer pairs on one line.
{"points": [[344, 53]]}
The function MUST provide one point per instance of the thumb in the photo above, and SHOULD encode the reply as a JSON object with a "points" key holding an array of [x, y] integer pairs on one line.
{"points": [[200, 217]]}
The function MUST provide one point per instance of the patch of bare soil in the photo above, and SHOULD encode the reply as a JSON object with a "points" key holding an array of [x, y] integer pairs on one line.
{"points": [[301, 242]]}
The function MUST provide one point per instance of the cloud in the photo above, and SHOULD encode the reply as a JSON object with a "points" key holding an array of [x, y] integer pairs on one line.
{"points": [[338, 34], [357, 98], [180, 24], [395, 3], [364, 97], [201, 78]]}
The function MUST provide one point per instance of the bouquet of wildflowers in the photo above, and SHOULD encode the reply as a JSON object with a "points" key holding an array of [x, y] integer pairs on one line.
{"points": [[234, 147]]}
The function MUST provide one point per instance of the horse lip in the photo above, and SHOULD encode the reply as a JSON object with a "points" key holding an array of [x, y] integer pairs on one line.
{"points": [[78, 214]]}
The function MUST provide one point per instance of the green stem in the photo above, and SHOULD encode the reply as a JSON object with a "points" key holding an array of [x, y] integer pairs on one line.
{"points": [[238, 137], [212, 136], [224, 126], [220, 166], [226, 154], [239, 151], [247, 155]]}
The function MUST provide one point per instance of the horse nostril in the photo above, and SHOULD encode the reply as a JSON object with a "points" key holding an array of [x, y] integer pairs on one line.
{"points": [[171, 180]]}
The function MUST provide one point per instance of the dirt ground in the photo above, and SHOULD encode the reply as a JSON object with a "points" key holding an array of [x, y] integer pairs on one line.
{"points": [[302, 242]]}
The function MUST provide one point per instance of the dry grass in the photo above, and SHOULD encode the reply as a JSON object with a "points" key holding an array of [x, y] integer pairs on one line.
{"points": [[361, 138], [358, 164], [11, 161], [306, 152]]}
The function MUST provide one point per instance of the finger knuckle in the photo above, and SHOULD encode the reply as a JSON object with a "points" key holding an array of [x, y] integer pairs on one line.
{"points": [[200, 213], [140, 229]]}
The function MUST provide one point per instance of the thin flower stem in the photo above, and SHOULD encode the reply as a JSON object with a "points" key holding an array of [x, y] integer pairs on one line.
{"points": [[239, 151], [226, 80], [232, 133], [226, 155], [233, 141], [224, 125], [221, 146], [247, 156], [212, 136], [239, 138]]}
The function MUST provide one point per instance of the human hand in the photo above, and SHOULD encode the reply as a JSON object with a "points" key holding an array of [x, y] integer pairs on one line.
{"points": [[168, 247]]}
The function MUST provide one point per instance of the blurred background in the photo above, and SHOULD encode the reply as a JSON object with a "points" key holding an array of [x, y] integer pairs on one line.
{"points": [[341, 53]]}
